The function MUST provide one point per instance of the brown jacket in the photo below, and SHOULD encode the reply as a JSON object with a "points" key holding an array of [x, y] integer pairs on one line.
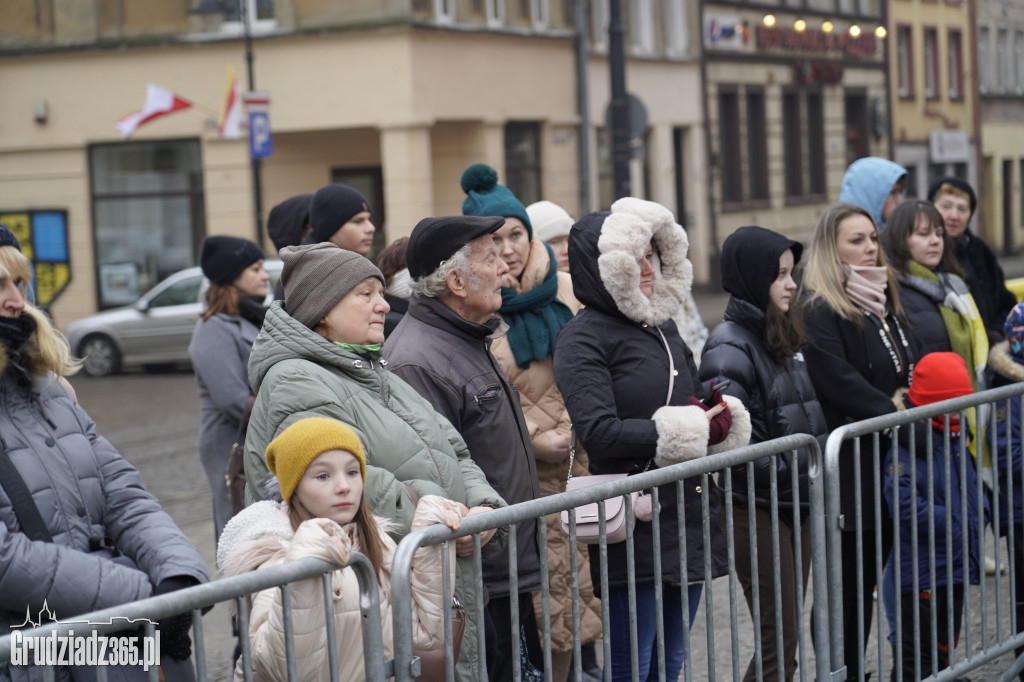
{"points": [[545, 411]]}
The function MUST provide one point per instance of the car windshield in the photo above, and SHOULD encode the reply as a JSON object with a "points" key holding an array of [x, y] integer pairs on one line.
{"points": [[178, 293]]}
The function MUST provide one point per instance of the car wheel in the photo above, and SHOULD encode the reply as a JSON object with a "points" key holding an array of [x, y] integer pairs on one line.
{"points": [[100, 356]]}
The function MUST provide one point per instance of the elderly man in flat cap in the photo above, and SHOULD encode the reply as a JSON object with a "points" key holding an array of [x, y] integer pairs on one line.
{"points": [[442, 348]]}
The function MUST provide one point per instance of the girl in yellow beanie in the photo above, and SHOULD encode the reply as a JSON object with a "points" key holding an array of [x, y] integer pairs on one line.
{"points": [[321, 468]]}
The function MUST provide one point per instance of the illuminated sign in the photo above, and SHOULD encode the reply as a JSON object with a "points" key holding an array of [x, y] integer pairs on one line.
{"points": [[44, 241], [782, 38]]}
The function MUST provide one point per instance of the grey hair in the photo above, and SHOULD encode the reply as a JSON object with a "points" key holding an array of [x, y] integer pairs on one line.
{"points": [[435, 285]]}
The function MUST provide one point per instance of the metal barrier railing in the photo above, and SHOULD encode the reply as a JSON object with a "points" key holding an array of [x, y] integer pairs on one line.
{"points": [[988, 633], [406, 666], [237, 588]]}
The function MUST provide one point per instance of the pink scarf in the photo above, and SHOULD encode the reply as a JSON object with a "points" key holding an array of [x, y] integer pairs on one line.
{"points": [[865, 285]]}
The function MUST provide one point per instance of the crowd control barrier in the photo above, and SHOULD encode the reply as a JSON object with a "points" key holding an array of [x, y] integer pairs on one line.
{"points": [[722, 621], [948, 502], [196, 599]]}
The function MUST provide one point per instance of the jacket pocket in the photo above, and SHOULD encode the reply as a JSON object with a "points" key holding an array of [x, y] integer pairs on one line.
{"points": [[488, 394]]}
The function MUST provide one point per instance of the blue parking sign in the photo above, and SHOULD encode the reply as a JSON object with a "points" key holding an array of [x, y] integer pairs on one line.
{"points": [[260, 142]]}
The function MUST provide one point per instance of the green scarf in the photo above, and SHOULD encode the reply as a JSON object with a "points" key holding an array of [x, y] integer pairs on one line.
{"points": [[371, 350], [960, 316], [534, 317]]}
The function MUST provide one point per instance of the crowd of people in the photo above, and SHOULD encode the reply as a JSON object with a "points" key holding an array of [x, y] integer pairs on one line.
{"points": [[495, 354]]}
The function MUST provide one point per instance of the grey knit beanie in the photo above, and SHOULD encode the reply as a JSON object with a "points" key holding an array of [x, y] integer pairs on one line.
{"points": [[317, 276]]}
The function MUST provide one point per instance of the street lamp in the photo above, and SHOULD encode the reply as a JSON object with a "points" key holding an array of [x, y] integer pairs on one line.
{"points": [[220, 8]]}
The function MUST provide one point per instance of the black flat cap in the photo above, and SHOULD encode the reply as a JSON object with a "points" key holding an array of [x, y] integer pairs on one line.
{"points": [[434, 240]]}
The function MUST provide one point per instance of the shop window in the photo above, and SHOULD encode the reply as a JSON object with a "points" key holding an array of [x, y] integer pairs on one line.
{"points": [[730, 160], [905, 55], [522, 161], [931, 63], [148, 210], [757, 144], [956, 63], [816, 143], [791, 142], [856, 109]]}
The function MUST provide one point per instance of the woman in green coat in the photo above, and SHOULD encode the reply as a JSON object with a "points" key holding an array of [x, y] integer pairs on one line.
{"points": [[318, 354]]}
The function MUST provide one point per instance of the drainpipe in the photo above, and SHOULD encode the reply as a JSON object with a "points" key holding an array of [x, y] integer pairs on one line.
{"points": [[583, 106]]}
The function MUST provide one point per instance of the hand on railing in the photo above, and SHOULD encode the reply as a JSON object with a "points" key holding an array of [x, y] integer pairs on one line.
{"points": [[464, 545]]}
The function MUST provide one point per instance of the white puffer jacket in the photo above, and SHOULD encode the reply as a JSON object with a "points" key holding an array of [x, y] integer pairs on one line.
{"points": [[261, 536]]}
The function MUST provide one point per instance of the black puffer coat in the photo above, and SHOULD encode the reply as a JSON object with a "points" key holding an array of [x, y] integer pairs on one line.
{"points": [[855, 379], [925, 319], [986, 281], [613, 370], [780, 398]]}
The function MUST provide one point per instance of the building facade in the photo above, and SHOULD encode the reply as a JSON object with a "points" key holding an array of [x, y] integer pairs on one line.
{"points": [[1000, 54], [795, 91], [394, 97], [932, 89]]}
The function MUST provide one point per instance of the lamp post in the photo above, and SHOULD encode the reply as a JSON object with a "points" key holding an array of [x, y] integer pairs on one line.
{"points": [[619, 102], [220, 8]]}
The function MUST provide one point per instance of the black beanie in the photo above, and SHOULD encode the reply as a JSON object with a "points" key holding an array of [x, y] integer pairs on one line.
{"points": [[287, 221], [750, 262], [224, 258], [7, 238], [961, 185], [331, 207]]}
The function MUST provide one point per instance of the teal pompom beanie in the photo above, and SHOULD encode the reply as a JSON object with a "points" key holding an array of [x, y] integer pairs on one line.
{"points": [[485, 197]]}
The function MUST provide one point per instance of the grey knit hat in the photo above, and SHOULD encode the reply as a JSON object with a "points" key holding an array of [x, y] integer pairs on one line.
{"points": [[317, 276]]}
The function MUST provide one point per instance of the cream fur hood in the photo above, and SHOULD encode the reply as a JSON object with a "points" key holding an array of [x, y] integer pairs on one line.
{"points": [[604, 248]]}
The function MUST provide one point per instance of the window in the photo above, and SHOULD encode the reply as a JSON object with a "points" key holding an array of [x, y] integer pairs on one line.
{"points": [[495, 13], [856, 117], [598, 10], [956, 63], [1003, 60], [1018, 51], [791, 138], [641, 25], [729, 145], [522, 161], [984, 58], [184, 292], [757, 145], [444, 10], [931, 63], [261, 15], [677, 41], [148, 210], [816, 142], [541, 14], [904, 51], [1021, 170]]}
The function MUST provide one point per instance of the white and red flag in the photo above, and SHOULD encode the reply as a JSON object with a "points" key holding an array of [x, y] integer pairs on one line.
{"points": [[229, 125], [159, 102]]}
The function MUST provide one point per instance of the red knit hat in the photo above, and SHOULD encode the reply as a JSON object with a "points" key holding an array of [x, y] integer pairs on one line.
{"points": [[939, 376]]}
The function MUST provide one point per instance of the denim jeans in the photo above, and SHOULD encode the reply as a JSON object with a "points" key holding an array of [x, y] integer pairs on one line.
{"points": [[646, 629]]}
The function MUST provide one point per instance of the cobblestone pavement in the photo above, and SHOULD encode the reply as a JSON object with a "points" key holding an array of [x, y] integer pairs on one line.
{"points": [[153, 420]]}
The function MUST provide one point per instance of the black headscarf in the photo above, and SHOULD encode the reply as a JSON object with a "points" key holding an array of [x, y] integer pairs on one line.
{"points": [[750, 262]]}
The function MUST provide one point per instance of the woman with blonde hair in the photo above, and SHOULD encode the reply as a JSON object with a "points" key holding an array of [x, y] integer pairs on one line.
{"points": [[85, 535], [860, 356]]}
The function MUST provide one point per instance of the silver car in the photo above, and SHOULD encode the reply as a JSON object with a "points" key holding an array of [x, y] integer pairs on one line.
{"points": [[155, 330]]}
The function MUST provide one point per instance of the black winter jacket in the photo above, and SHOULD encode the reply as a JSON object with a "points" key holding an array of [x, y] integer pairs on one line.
{"points": [[986, 281], [780, 399], [925, 319], [855, 379], [447, 359], [614, 373]]}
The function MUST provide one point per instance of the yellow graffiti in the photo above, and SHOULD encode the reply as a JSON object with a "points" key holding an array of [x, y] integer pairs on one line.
{"points": [[51, 278], [20, 225]]}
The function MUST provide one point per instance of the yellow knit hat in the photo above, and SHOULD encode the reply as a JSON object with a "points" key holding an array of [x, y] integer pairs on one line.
{"points": [[291, 453]]}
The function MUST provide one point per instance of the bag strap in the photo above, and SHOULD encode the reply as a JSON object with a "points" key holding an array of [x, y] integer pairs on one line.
{"points": [[668, 400], [25, 508]]}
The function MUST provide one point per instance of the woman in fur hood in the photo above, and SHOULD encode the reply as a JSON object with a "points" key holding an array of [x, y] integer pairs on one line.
{"points": [[632, 391], [320, 468]]}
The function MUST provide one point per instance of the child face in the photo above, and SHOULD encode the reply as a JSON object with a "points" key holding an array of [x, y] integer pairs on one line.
{"points": [[332, 487]]}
